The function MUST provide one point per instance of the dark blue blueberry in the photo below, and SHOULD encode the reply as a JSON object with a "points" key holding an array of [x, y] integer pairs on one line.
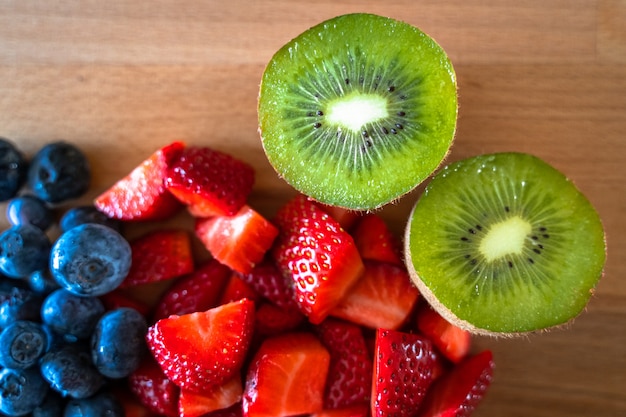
{"points": [[28, 209], [19, 304], [13, 169], [90, 259], [76, 216], [21, 391], [23, 250], [103, 404], [70, 372], [42, 282], [52, 406], [59, 172], [22, 344], [70, 315], [118, 342]]}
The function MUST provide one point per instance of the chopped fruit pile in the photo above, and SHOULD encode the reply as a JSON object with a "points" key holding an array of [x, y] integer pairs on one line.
{"points": [[310, 312]]}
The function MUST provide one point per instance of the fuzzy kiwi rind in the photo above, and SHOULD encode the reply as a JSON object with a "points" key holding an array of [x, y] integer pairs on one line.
{"points": [[544, 285], [358, 55]]}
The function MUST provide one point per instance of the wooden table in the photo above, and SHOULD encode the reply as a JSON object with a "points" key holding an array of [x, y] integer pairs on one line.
{"points": [[122, 78]]}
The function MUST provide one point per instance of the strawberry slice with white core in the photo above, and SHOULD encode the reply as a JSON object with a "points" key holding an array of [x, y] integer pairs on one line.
{"points": [[239, 241], [286, 377], [142, 194], [199, 351]]}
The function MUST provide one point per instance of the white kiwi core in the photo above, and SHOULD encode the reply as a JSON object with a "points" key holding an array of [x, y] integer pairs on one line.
{"points": [[505, 238], [355, 110]]}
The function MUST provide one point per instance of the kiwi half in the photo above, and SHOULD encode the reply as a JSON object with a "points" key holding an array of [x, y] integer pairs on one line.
{"points": [[358, 110], [504, 244]]}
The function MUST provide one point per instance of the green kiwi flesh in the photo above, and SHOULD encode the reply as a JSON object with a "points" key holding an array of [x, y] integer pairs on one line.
{"points": [[358, 110], [504, 244]]}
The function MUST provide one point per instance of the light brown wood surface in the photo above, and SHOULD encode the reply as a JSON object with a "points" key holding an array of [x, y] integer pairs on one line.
{"points": [[122, 78]]}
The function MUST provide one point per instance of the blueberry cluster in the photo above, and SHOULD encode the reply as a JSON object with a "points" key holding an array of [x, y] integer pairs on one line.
{"points": [[60, 349]]}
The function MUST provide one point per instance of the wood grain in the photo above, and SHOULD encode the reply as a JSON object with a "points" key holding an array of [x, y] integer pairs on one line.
{"points": [[548, 77]]}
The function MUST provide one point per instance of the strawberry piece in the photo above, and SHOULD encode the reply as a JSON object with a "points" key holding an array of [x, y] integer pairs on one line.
{"points": [[159, 255], [198, 351], [459, 392], [286, 377], [452, 341], [237, 289], [119, 298], [131, 405], [198, 291], [318, 256], [235, 410], [356, 410], [375, 241], [193, 404], [350, 372], [239, 241], [345, 217], [142, 195], [272, 320], [382, 298], [210, 182], [267, 280], [153, 389], [402, 373]]}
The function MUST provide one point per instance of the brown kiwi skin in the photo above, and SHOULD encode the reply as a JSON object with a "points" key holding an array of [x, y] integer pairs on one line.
{"points": [[452, 318]]}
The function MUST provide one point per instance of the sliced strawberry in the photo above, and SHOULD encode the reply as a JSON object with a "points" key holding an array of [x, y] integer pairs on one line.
{"points": [[153, 389], [199, 290], [237, 289], [382, 298], [402, 373], [235, 410], [193, 404], [318, 256], [356, 410], [130, 404], [452, 341], [345, 217], [239, 241], [210, 182], [375, 241], [286, 377], [159, 255], [459, 392], [119, 298], [142, 195], [268, 281], [350, 372], [272, 320], [199, 351]]}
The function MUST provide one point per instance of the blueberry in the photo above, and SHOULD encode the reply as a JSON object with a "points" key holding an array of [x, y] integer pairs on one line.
{"points": [[24, 249], [13, 169], [90, 259], [19, 304], [70, 315], [103, 404], [76, 216], [52, 406], [21, 391], [22, 344], [58, 172], [118, 342], [70, 372], [28, 209], [42, 282]]}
